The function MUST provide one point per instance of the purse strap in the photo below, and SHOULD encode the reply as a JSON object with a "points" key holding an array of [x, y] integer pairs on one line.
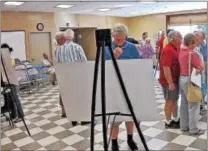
{"points": [[189, 66]]}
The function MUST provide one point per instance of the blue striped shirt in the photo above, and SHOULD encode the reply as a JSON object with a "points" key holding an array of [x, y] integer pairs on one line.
{"points": [[70, 52]]}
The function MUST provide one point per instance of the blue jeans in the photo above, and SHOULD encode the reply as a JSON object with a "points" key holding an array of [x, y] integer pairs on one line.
{"points": [[17, 110], [188, 111]]}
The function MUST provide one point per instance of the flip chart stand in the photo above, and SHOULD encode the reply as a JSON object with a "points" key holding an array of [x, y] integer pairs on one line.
{"points": [[103, 39]]}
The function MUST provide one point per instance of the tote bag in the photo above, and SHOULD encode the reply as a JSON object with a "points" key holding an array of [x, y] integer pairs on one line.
{"points": [[194, 93]]}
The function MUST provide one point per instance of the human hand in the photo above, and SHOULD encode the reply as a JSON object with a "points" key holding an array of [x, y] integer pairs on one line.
{"points": [[198, 71], [117, 52], [172, 86]]}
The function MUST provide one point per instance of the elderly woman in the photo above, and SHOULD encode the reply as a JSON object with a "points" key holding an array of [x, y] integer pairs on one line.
{"points": [[147, 50], [48, 66], [189, 111]]}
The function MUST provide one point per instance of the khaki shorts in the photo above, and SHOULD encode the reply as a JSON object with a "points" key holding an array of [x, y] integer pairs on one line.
{"points": [[171, 95]]}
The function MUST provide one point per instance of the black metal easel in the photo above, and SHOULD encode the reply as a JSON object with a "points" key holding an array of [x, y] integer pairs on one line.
{"points": [[12, 96], [103, 39]]}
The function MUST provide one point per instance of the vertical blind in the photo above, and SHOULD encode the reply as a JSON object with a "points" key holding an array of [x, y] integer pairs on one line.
{"points": [[187, 19]]}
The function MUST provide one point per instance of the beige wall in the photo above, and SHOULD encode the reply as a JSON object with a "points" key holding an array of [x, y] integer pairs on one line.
{"points": [[27, 21], [151, 24], [87, 20], [61, 18]]}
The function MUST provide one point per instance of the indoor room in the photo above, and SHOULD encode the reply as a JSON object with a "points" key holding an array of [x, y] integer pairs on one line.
{"points": [[104, 75]]}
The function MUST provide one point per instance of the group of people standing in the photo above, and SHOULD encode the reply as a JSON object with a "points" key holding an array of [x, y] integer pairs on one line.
{"points": [[178, 57]]}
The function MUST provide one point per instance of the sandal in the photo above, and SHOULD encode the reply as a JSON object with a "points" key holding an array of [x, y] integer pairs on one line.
{"points": [[199, 132]]}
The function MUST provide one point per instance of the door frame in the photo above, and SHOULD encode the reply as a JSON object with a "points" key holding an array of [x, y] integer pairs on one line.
{"points": [[50, 43]]}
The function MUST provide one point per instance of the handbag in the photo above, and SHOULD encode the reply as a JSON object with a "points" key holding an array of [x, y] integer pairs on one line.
{"points": [[194, 93]]}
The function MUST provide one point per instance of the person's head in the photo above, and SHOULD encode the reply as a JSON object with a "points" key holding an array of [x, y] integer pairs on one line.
{"points": [[163, 33], [60, 38], [147, 41], [119, 33], [174, 38], [45, 56], [190, 41], [200, 35], [144, 35], [5, 45], [69, 34], [168, 31]]}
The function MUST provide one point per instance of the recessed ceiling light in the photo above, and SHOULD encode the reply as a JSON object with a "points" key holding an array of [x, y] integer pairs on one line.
{"points": [[103, 9], [122, 5], [14, 3], [64, 6]]}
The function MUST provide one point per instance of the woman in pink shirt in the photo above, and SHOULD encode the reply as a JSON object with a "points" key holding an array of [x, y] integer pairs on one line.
{"points": [[189, 111]]}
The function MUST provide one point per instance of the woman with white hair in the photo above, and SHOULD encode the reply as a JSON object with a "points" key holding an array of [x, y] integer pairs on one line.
{"points": [[147, 50]]}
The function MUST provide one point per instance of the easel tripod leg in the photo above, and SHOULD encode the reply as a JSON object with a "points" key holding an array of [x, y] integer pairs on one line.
{"points": [[94, 99], [128, 100]]}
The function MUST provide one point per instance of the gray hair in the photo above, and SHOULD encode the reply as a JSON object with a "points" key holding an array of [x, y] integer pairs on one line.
{"points": [[69, 34], [120, 29], [189, 39], [59, 35], [171, 35]]}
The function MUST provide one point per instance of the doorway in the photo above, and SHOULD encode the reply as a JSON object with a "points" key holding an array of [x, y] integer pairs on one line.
{"points": [[40, 43]]}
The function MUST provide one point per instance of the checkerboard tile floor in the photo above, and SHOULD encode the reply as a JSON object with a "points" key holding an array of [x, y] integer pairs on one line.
{"points": [[50, 132]]}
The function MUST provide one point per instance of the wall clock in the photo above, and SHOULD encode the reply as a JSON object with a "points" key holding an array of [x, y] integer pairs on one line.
{"points": [[40, 26]]}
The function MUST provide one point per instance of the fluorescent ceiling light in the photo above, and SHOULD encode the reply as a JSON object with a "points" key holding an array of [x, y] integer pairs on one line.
{"points": [[64, 6], [13, 3], [146, 2], [134, 13], [103, 9], [122, 5]]}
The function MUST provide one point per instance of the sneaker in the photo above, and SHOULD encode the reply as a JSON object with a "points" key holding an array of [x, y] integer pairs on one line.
{"points": [[176, 123], [132, 145], [74, 123], [172, 124], [115, 147], [85, 123], [63, 115]]}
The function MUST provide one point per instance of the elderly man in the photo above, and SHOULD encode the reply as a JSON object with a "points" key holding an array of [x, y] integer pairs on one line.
{"points": [[122, 49], [169, 77], [203, 50], [70, 52]]}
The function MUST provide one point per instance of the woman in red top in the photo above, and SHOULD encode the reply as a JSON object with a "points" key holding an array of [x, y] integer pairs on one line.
{"points": [[189, 111]]}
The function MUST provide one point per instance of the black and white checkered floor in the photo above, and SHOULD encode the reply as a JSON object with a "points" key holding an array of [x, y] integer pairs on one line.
{"points": [[50, 132]]}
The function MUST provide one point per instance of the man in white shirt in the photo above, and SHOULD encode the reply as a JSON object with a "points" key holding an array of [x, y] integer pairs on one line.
{"points": [[70, 52], [17, 111]]}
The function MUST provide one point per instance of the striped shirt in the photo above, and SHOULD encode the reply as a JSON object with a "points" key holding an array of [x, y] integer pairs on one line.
{"points": [[70, 52]]}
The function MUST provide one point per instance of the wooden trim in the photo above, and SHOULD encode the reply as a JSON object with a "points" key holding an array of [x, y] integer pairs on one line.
{"points": [[187, 14]]}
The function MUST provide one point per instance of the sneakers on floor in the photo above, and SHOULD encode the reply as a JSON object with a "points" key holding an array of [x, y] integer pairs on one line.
{"points": [[115, 147], [173, 124], [132, 145]]}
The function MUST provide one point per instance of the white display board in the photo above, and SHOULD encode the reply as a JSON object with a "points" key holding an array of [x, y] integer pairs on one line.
{"points": [[16, 40], [75, 81]]}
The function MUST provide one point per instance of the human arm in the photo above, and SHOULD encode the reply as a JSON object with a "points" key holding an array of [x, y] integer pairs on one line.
{"points": [[167, 62], [197, 62], [82, 54]]}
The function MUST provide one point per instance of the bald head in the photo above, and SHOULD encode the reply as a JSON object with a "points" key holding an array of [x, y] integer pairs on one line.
{"points": [[69, 34]]}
